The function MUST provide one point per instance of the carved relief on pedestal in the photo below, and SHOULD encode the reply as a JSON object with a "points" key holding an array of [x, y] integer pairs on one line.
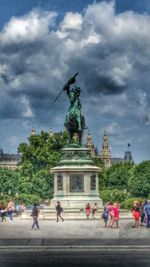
{"points": [[76, 183]]}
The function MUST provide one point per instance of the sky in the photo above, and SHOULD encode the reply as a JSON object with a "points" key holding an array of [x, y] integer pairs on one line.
{"points": [[44, 42]]}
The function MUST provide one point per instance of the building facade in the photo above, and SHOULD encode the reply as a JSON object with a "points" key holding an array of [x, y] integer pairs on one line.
{"points": [[9, 161], [105, 155]]}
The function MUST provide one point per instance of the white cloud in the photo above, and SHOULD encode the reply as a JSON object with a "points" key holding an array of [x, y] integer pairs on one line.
{"points": [[27, 112], [110, 51], [71, 21], [27, 28]]}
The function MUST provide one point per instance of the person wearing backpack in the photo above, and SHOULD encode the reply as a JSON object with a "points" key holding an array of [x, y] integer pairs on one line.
{"points": [[59, 210], [105, 214], [147, 214], [3, 211], [34, 214]]}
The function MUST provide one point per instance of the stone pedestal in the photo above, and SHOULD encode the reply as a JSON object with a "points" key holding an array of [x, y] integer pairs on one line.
{"points": [[75, 180]]}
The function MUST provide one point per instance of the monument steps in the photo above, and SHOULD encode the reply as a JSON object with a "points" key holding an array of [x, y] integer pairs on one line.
{"points": [[72, 214]]}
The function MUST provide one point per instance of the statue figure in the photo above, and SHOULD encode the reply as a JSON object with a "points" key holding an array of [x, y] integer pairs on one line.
{"points": [[75, 122]]}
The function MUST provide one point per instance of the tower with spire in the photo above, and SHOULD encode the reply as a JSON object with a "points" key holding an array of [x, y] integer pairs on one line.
{"points": [[89, 144], [128, 155], [105, 155]]}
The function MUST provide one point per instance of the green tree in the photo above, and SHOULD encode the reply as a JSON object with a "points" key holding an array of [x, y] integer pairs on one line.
{"points": [[42, 151], [42, 184], [38, 156], [102, 175], [118, 175], [9, 180], [139, 182]]}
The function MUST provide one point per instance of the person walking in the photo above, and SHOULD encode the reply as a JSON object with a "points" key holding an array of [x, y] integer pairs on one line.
{"points": [[115, 219], [142, 212], [59, 210], [94, 210], [88, 210], [3, 212], [105, 215], [147, 214], [10, 209], [34, 214], [111, 213], [136, 214]]}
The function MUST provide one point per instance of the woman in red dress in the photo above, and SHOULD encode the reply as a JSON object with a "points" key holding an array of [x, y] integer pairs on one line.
{"points": [[136, 214], [116, 215], [88, 210]]}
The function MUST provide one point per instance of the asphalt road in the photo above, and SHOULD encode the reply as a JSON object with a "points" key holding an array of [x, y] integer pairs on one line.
{"points": [[76, 257]]}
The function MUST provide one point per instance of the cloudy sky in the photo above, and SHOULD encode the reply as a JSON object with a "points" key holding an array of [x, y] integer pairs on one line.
{"points": [[44, 42]]}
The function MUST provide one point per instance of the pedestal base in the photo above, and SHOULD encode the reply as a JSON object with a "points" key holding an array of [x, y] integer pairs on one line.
{"points": [[76, 180], [76, 202]]}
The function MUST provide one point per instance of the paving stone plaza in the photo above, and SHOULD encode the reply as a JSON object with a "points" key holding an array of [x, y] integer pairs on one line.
{"points": [[71, 229], [73, 243]]}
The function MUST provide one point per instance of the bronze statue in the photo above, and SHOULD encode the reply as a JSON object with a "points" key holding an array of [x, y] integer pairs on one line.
{"points": [[75, 122]]}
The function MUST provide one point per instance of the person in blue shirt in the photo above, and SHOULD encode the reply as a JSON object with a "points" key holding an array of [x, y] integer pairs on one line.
{"points": [[147, 214]]}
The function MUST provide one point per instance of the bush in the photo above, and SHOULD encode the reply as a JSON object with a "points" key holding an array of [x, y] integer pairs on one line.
{"points": [[27, 199], [113, 195], [5, 199], [139, 182], [128, 203], [24, 198]]}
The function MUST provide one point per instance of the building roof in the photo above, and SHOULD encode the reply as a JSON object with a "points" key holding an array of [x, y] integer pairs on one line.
{"points": [[117, 160], [9, 157]]}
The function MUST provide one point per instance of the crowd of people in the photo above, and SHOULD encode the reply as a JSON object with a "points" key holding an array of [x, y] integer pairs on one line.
{"points": [[10, 209], [141, 213], [110, 214]]}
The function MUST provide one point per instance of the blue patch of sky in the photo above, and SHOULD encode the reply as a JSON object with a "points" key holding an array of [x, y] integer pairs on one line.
{"points": [[10, 8], [139, 6]]}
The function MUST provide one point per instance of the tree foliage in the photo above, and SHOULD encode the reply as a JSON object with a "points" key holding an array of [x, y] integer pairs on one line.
{"points": [[139, 182], [118, 175], [38, 156], [9, 181]]}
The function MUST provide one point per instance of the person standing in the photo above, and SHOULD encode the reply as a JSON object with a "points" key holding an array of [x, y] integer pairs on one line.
{"points": [[142, 212], [116, 215], [3, 212], [94, 210], [147, 214], [59, 210], [87, 210], [136, 214], [10, 209], [34, 214], [105, 215]]}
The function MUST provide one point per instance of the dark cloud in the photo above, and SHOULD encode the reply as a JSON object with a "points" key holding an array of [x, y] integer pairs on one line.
{"points": [[110, 52]]}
